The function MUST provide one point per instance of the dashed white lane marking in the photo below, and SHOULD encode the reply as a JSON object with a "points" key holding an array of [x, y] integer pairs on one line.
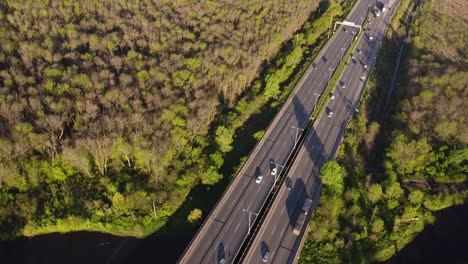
{"points": [[273, 231], [282, 211], [237, 227]]}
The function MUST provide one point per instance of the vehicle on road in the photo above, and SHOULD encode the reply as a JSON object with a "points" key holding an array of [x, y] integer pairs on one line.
{"points": [[363, 78], [365, 66], [332, 97], [288, 183], [359, 51], [377, 14], [330, 114], [259, 178], [314, 65], [302, 217], [325, 60], [266, 256], [273, 172], [222, 261], [371, 38]]}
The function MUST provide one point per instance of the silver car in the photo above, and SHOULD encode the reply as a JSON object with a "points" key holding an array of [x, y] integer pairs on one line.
{"points": [[273, 172], [259, 178], [266, 256]]}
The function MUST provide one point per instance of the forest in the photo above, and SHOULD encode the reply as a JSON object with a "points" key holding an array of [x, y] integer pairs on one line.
{"points": [[394, 171], [110, 110]]}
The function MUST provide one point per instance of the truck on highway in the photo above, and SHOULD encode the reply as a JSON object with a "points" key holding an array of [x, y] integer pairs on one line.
{"points": [[302, 217]]}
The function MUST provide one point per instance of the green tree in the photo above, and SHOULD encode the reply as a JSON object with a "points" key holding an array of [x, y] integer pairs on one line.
{"points": [[272, 88], [258, 135], [210, 176], [194, 216], [331, 175], [409, 156], [416, 197], [374, 192], [378, 226], [224, 139]]}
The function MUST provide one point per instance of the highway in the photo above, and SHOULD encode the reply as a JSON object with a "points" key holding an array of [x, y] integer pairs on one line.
{"points": [[227, 226], [321, 144]]}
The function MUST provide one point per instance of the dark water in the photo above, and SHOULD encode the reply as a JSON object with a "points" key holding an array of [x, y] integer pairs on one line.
{"points": [[92, 247], [444, 242]]}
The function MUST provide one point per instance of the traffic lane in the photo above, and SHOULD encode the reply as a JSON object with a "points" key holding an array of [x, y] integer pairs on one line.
{"points": [[238, 224], [358, 17], [286, 203], [230, 242], [252, 193], [355, 84], [246, 182], [289, 242], [241, 194], [351, 37], [264, 157], [296, 173], [332, 134], [295, 201]]}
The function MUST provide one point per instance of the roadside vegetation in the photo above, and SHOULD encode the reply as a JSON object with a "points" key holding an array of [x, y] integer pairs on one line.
{"points": [[110, 113], [395, 169]]}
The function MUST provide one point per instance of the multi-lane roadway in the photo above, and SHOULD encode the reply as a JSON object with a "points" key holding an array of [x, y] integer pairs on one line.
{"points": [[225, 229], [275, 234]]}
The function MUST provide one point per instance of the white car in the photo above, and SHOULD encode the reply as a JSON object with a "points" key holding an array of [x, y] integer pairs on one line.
{"points": [[371, 38], [259, 178], [273, 172], [266, 256], [332, 97], [365, 66], [363, 78], [377, 14], [330, 114]]}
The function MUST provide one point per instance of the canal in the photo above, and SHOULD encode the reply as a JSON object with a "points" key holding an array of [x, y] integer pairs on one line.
{"points": [[444, 242]]}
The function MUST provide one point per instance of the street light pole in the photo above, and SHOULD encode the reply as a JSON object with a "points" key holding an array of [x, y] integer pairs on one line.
{"points": [[316, 99], [329, 78], [297, 132], [250, 213]]}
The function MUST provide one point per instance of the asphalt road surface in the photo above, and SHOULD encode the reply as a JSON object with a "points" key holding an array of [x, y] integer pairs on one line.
{"points": [[225, 229], [321, 143]]}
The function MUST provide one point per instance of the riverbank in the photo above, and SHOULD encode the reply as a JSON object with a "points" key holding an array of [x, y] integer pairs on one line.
{"points": [[444, 242]]}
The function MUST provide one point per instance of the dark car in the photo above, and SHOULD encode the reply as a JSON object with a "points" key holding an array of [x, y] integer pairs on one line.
{"points": [[325, 60]]}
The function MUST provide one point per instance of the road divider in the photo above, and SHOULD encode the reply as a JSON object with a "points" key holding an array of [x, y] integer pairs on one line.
{"points": [[325, 96]]}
